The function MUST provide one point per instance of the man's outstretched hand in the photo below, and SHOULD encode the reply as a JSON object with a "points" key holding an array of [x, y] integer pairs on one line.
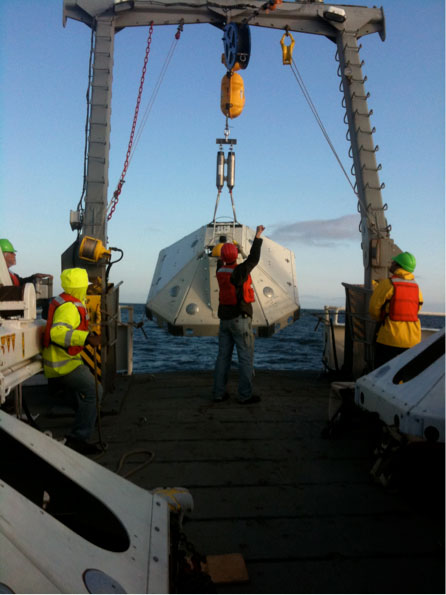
{"points": [[259, 230]]}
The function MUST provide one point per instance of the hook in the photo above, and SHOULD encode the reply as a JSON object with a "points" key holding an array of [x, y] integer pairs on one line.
{"points": [[226, 131], [287, 50]]}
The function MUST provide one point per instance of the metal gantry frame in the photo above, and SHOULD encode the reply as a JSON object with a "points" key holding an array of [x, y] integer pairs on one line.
{"points": [[108, 16], [342, 24]]}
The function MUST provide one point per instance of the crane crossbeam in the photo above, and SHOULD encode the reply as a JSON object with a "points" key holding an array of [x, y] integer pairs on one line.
{"points": [[303, 17]]}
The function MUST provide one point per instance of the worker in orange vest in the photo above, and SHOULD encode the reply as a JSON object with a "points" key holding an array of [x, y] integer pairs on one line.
{"points": [[395, 303], [236, 296]]}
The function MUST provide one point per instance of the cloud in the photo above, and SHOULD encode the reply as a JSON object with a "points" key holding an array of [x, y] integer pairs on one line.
{"points": [[319, 232]]}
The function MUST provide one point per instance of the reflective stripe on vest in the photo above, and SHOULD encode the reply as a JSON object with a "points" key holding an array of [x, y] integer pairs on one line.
{"points": [[63, 298], [58, 364], [405, 302], [228, 291]]}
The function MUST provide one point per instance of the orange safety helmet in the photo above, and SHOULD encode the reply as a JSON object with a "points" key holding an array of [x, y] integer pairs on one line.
{"points": [[229, 253]]}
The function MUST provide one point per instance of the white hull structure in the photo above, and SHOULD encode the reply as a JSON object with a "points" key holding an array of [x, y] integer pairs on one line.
{"points": [[68, 525], [184, 292], [20, 333], [408, 392]]}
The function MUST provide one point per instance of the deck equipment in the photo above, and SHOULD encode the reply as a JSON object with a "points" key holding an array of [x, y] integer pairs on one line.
{"points": [[408, 391], [114, 534], [343, 25]]}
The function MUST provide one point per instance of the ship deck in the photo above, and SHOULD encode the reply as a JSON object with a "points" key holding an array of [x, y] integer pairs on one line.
{"points": [[301, 509]]}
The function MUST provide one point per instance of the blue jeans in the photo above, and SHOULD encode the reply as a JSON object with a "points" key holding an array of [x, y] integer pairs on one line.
{"points": [[238, 332], [78, 389]]}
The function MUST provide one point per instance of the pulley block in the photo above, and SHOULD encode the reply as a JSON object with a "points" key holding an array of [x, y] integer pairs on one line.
{"points": [[287, 49], [237, 45]]}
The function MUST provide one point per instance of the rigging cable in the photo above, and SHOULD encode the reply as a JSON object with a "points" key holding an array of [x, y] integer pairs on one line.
{"points": [[233, 207], [136, 136], [306, 94], [157, 88], [87, 118], [216, 207], [117, 192]]}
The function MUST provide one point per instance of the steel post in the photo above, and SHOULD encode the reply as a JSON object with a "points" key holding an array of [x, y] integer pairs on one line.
{"points": [[377, 246]]}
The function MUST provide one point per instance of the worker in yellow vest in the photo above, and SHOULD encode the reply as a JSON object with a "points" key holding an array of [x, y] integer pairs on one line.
{"points": [[66, 334]]}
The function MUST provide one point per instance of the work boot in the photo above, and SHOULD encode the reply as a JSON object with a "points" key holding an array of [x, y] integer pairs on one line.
{"points": [[81, 446], [253, 399], [224, 397]]}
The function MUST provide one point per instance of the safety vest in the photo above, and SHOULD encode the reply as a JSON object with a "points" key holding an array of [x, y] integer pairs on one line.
{"points": [[405, 302], [83, 326], [14, 279], [228, 291]]}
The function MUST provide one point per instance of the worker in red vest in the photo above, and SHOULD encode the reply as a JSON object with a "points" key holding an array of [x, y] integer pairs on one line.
{"points": [[235, 313], [10, 259], [395, 303]]}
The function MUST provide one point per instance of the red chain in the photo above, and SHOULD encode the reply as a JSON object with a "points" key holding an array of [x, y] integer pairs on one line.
{"points": [[117, 192]]}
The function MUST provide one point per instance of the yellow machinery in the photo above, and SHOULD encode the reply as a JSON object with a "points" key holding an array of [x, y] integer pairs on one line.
{"points": [[93, 250]]}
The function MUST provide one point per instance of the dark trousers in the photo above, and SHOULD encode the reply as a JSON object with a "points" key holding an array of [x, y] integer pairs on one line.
{"points": [[384, 353], [78, 389]]}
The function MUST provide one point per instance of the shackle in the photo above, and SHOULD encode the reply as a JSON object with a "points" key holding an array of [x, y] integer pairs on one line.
{"points": [[287, 50]]}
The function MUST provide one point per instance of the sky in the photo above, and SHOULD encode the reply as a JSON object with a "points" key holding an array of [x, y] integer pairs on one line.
{"points": [[287, 178]]}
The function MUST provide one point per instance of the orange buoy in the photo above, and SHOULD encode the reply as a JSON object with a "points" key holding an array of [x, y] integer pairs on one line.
{"points": [[232, 94]]}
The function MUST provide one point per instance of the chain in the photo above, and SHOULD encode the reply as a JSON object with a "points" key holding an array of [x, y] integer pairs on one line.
{"points": [[117, 192]]}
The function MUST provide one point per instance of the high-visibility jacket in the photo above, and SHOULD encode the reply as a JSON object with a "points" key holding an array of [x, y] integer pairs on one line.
{"points": [[228, 291], [395, 333], [83, 326], [67, 326]]}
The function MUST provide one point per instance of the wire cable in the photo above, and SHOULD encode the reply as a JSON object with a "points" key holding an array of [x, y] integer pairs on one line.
{"points": [[307, 96], [136, 133], [153, 96], [88, 117]]}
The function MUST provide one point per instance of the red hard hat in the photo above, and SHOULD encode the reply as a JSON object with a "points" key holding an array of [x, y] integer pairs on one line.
{"points": [[229, 252]]}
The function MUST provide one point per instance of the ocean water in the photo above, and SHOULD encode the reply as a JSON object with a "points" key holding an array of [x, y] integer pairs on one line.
{"points": [[296, 347]]}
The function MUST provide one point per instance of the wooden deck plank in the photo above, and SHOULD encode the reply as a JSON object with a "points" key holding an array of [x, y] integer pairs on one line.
{"points": [[338, 575], [315, 537], [301, 509]]}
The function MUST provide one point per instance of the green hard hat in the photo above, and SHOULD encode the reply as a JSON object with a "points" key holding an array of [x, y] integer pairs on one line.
{"points": [[406, 260], [6, 245]]}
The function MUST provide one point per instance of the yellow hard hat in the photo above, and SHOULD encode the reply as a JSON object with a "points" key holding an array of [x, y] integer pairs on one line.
{"points": [[74, 278], [216, 250]]}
